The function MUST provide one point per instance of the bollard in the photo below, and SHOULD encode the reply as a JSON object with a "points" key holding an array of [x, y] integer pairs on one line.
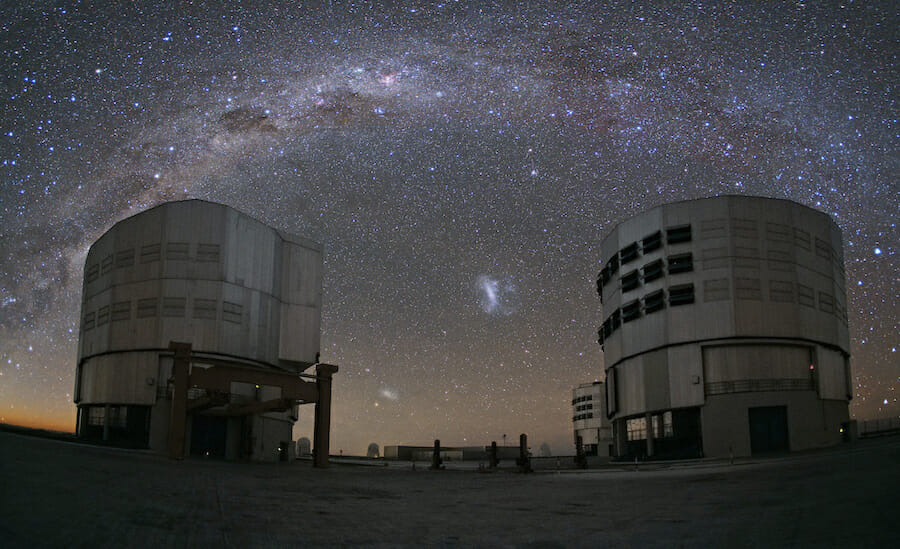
{"points": [[436, 462], [524, 462]]}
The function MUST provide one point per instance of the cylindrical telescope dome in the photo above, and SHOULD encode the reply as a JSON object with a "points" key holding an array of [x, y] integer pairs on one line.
{"points": [[719, 310], [195, 272]]}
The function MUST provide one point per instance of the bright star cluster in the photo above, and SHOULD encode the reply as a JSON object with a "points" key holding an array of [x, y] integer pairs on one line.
{"points": [[460, 162]]}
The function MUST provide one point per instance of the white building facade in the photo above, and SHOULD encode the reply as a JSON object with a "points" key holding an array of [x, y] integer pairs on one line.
{"points": [[725, 329], [589, 419]]}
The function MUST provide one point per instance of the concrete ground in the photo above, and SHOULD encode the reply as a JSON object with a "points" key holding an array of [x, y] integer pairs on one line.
{"points": [[59, 494]]}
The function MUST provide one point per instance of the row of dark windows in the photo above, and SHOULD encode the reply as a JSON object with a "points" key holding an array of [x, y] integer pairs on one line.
{"points": [[170, 307], [674, 264], [583, 398], [681, 294], [650, 243], [713, 258], [581, 407], [588, 415], [717, 228], [174, 251], [722, 289]]}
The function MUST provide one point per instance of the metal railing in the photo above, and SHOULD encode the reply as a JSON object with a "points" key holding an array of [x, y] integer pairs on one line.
{"points": [[759, 385], [164, 392], [875, 427]]}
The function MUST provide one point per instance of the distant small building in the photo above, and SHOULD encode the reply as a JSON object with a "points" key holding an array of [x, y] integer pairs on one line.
{"points": [[589, 419], [463, 453], [198, 324], [373, 451], [304, 447]]}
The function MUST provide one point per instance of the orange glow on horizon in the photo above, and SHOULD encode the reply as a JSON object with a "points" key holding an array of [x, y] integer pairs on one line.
{"points": [[31, 422]]}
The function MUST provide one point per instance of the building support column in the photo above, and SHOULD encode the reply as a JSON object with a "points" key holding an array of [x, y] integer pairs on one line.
{"points": [[620, 436], [322, 429], [649, 421], [178, 416], [105, 422]]}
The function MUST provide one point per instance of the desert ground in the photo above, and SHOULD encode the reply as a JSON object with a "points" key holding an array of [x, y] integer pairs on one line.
{"points": [[60, 494]]}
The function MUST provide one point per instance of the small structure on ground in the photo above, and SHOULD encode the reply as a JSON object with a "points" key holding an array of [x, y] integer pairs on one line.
{"points": [[304, 447], [373, 451]]}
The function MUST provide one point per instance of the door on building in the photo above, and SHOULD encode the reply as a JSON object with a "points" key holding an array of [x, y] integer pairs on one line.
{"points": [[768, 429], [208, 435], [138, 426]]}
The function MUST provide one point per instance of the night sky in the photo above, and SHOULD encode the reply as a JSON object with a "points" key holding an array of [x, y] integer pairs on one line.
{"points": [[460, 162]]}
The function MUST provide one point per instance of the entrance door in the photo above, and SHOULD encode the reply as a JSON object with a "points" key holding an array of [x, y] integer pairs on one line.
{"points": [[768, 429], [208, 436]]}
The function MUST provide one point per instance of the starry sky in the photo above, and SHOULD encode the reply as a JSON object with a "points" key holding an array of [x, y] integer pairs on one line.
{"points": [[459, 161]]}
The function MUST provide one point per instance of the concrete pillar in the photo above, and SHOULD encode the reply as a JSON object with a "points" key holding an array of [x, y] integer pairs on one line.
{"points": [[524, 461], [649, 421], [105, 422], [178, 416], [621, 437], [436, 461], [322, 429]]}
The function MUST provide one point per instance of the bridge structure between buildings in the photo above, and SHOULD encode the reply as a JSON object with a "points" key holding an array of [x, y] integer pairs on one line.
{"points": [[206, 388]]}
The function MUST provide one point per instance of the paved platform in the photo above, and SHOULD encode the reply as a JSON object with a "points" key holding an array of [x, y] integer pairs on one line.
{"points": [[59, 494]]}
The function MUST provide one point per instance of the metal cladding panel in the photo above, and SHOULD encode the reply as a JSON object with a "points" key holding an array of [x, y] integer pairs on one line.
{"points": [[685, 376], [301, 308], [301, 276], [630, 386], [120, 379], [656, 380], [760, 361], [831, 371], [299, 333], [205, 273], [252, 253], [612, 394]]}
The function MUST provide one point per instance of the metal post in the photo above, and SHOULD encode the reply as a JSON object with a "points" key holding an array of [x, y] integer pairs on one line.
{"points": [[322, 429], [78, 420], [178, 416], [105, 422], [436, 461], [524, 462], [620, 434]]}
